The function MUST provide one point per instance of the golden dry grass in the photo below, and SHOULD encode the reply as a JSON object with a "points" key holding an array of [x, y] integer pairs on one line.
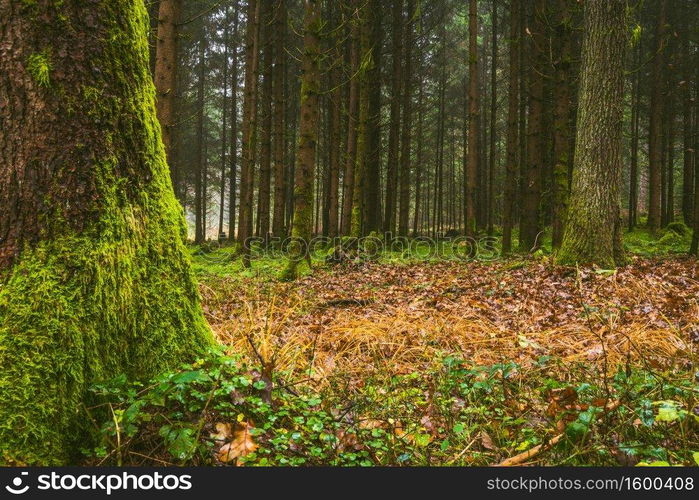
{"points": [[408, 316]]}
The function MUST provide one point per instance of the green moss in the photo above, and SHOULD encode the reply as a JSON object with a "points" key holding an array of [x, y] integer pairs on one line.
{"points": [[39, 67], [117, 297]]}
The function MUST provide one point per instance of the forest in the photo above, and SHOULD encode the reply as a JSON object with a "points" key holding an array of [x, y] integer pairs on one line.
{"points": [[349, 232]]}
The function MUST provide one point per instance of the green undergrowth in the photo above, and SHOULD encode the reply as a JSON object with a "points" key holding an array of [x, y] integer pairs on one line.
{"points": [[451, 413], [212, 260]]}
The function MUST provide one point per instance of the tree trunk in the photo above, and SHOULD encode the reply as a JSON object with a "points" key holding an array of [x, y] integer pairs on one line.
{"points": [[165, 76], [493, 121], [561, 125], [512, 136], [530, 225], [352, 122], [472, 165], [199, 232], [371, 215], [233, 169], [655, 127], [404, 188], [224, 127], [278, 223], [593, 230], [263, 195], [308, 138], [389, 219], [249, 128], [96, 280]]}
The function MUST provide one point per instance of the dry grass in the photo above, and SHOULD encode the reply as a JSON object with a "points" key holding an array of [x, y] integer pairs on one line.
{"points": [[408, 316]]}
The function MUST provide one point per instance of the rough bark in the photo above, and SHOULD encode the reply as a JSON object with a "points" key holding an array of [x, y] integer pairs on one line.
{"points": [[593, 229], [165, 76], [249, 127], [96, 280], [263, 195], [389, 218], [655, 127], [405, 146], [561, 121], [352, 122], [511, 165], [530, 224], [233, 167], [472, 164], [278, 223], [302, 226]]}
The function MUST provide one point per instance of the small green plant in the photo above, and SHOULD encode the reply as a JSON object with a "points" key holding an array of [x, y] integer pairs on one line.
{"points": [[39, 66]]}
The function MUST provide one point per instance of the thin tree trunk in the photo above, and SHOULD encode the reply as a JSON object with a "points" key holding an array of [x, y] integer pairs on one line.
{"points": [[352, 122], [199, 235], [512, 135], [389, 218], [308, 138], [655, 127], [224, 127], [561, 125], [249, 128], [263, 195], [279, 70], [165, 76], [493, 121], [530, 224], [472, 166], [233, 167], [404, 188]]}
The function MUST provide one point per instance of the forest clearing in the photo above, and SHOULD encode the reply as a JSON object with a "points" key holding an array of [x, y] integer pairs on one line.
{"points": [[349, 233]]}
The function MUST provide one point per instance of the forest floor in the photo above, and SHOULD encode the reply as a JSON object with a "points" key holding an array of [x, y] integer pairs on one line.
{"points": [[439, 362]]}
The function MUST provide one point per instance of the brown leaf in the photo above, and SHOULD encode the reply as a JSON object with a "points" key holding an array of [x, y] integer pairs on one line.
{"points": [[241, 445]]}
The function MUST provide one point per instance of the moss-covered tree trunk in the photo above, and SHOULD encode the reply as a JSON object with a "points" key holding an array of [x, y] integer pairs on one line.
{"points": [[592, 234], [302, 226], [94, 277]]}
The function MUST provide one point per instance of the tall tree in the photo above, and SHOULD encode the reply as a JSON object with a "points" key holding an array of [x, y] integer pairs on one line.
{"points": [[224, 125], [389, 218], [530, 223], [96, 278], [263, 195], [405, 145], [656, 121], [593, 230], [561, 119], [302, 227], [348, 186], [511, 167], [472, 165], [249, 128], [166, 76], [280, 20], [233, 164]]}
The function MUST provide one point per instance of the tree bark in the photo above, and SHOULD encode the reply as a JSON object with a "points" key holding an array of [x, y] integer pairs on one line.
{"points": [[404, 188], [302, 227], [96, 279], [655, 127], [593, 229], [512, 165], [249, 128], [165, 76], [352, 122], [530, 224], [278, 223], [389, 218], [472, 165]]}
